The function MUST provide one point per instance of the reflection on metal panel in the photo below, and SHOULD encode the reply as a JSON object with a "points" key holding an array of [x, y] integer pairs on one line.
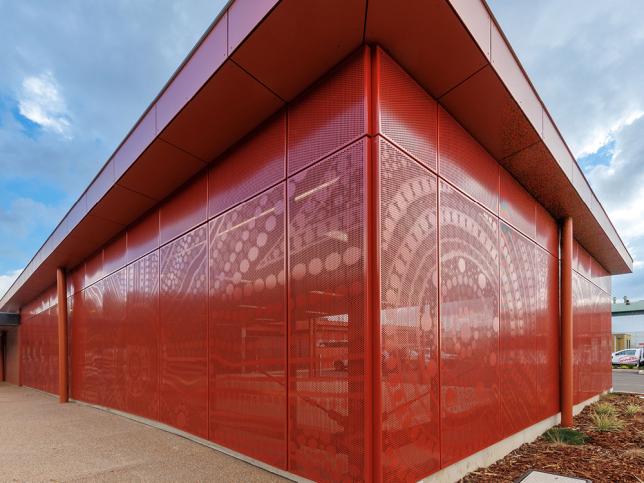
{"points": [[469, 295], [248, 328], [183, 333], [408, 317], [327, 326]]}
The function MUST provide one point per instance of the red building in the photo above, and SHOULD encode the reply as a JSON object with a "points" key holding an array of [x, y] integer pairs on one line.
{"points": [[339, 243]]}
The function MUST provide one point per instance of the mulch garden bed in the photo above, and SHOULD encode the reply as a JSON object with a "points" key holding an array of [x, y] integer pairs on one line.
{"points": [[606, 456]]}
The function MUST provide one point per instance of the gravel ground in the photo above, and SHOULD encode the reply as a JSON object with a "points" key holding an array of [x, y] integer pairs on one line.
{"points": [[42, 440]]}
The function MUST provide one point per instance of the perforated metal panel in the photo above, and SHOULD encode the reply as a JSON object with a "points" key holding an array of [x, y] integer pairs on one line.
{"points": [[39, 350], [548, 333], [111, 332], [518, 334], [408, 317], [327, 326], [465, 164], [261, 157], [248, 328], [141, 337], [87, 348], [406, 112], [469, 310], [516, 206], [183, 337], [330, 115], [591, 337]]}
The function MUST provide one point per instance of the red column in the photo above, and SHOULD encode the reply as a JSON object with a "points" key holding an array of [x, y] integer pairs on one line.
{"points": [[62, 336], [566, 323]]}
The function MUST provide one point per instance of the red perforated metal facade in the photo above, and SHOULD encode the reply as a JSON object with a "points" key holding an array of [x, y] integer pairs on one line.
{"points": [[327, 324], [408, 317], [248, 328], [355, 291]]}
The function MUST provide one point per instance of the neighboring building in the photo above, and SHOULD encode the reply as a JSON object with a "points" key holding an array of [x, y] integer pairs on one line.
{"points": [[331, 245], [628, 325]]}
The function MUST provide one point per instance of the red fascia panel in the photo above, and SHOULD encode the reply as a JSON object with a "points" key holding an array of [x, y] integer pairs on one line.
{"points": [[245, 101], [185, 210], [504, 62], [477, 19], [137, 142], [484, 106], [261, 160], [101, 184], [306, 39], [170, 166], [203, 63], [143, 236], [120, 203], [516, 206], [243, 17], [427, 39]]}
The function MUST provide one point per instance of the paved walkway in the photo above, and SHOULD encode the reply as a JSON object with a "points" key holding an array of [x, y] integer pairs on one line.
{"points": [[628, 381], [42, 440]]}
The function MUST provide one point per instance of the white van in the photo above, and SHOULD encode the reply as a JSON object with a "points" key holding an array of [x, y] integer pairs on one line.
{"points": [[629, 357]]}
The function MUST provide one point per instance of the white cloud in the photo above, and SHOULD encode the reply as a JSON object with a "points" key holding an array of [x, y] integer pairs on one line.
{"points": [[585, 60], [41, 102], [6, 279]]}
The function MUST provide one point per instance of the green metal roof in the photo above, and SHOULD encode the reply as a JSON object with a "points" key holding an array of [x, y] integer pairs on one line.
{"points": [[628, 309]]}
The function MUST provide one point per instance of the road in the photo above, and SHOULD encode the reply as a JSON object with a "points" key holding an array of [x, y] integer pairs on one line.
{"points": [[628, 381]]}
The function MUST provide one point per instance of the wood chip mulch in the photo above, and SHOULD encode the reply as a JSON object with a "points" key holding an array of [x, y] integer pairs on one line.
{"points": [[605, 457]]}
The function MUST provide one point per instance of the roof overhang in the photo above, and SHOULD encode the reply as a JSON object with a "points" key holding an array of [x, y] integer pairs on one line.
{"points": [[260, 54]]}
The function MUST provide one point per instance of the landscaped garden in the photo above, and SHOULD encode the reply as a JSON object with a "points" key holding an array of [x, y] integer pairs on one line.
{"points": [[606, 444]]}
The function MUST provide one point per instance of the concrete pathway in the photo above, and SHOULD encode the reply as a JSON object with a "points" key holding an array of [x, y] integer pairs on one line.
{"points": [[628, 381], [42, 440]]}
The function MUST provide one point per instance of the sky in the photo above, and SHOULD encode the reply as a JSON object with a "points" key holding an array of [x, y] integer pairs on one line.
{"points": [[76, 75]]}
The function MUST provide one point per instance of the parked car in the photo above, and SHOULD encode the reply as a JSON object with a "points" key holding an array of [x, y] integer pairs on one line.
{"points": [[629, 357]]}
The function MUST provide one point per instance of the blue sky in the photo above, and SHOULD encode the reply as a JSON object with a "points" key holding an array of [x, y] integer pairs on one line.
{"points": [[76, 74]]}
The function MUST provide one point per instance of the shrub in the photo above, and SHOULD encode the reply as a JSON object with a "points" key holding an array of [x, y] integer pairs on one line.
{"points": [[565, 436], [631, 409], [605, 409], [606, 422]]}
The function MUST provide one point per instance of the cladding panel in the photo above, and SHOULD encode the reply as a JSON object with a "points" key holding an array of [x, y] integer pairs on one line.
{"points": [[39, 352], [87, 345], [469, 298], [407, 114], [140, 338], [185, 210], [516, 205], [260, 156], [327, 324], [464, 163], [547, 333], [183, 333], [408, 317], [518, 334], [111, 330], [330, 115], [247, 318]]}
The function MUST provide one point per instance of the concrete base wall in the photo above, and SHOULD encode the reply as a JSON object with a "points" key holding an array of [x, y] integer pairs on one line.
{"points": [[493, 453]]}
